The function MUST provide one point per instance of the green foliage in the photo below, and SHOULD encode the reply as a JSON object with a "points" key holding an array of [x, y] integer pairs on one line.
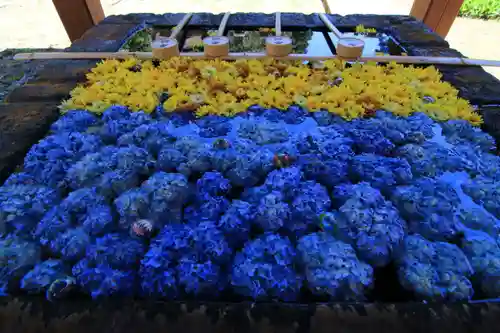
{"points": [[484, 9], [139, 42]]}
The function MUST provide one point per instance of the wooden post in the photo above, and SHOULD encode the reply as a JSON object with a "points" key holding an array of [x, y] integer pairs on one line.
{"points": [[78, 16], [439, 15]]}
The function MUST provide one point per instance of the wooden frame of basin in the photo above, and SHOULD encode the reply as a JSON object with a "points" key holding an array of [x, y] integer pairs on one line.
{"points": [[80, 15]]}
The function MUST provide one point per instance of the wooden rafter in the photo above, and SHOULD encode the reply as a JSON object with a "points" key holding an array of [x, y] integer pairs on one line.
{"points": [[78, 16], [439, 15]]}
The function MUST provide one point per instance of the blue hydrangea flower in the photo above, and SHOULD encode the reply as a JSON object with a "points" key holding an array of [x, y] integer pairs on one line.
{"points": [[200, 278], [40, 278], [328, 144], [367, 221], [152, 137], [75, 121], [169, 159], [429, 206], [21, 178], [236, 222], [70, 245], [460, 132], [264, 270], [434, 270], [198, 160], [132, 205], [272, 213], [157, 273], [118, 123], [213, 184], [399, 130], [332, 268], [323, 117], [486, 192], [249, 169], [213, 126], [310, 202], [381, 172], [371, 140], [294, 115], [484, 255], [49, 160], [167, 193], [17, 257], [206, 208], [112, 170], [285, 180], [478, 219], [431, 159], [117, 251], [103, 281], [262, 132], [328, 173], [84, 208], [274, 115], [22, 206]]}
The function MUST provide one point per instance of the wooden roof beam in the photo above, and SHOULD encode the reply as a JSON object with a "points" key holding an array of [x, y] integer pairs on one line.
{"points": [[79, 16], [439, 15]]}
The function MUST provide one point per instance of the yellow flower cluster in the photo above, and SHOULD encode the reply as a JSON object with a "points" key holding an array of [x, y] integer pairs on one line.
{"points": [[360, 29], [229, 87]]}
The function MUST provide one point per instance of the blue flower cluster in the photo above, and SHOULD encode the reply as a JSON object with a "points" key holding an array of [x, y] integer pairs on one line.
{"points": [[367, 221], [460, 132], [264, 269], [185, 259], [263, 205], [41, 277], [483, 252], [66, 229], [109, 266], [434, 270], [17, 258], [111, 171], [486, 192], [429, 206], [22, 205], [332, 268], [160, 199], [49, 160]]}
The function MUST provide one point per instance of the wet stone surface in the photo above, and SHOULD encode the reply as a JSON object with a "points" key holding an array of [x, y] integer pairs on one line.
{"points": [[416, 34], [41, 92], [64, 70], [491, 117], [21, 125], [170, 19], [433, 51], [251, 20], [205, 20], [105, 37], [473, 83]]}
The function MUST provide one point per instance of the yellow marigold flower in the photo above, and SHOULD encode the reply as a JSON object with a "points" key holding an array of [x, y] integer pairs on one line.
{"points": [[229, 87]]}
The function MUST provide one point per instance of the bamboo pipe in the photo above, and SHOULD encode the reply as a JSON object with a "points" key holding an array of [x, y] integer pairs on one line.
{"points": [[249, 55], [218, 45], [278, 45], [178, 28], [165, 47], [330, 25], [277, 24]]}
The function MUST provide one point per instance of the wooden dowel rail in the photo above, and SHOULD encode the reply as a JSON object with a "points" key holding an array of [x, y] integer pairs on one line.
{"points": [[249, 55]]}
